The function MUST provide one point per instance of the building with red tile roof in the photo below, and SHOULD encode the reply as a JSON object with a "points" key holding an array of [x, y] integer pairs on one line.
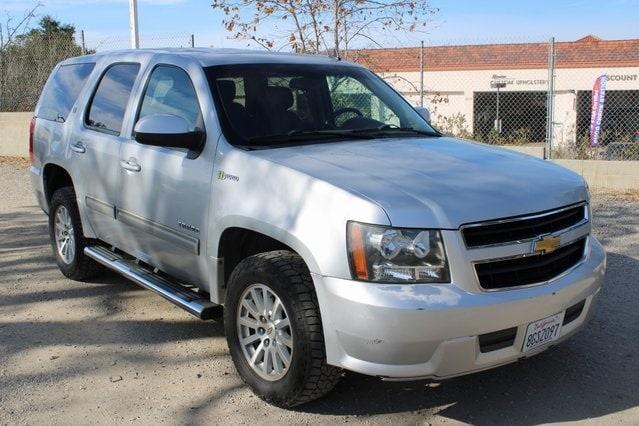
{"points": [[460, 86], [587, 52]]}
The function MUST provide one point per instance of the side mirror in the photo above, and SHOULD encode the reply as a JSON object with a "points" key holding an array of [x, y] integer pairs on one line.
{"points": [[424, 112], [167, 130]]}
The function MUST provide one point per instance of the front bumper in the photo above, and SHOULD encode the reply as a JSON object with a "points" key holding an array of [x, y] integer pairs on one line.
{"points": [[431, 331]]}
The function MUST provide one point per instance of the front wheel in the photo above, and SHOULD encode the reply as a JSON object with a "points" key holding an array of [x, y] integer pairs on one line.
{"points": [[274, 330]]}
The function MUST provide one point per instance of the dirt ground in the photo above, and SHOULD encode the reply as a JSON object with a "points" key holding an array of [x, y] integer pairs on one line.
{"points": [[109, 352]]}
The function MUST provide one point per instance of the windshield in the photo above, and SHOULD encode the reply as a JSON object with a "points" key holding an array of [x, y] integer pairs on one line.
{"points": [[270, 105]]}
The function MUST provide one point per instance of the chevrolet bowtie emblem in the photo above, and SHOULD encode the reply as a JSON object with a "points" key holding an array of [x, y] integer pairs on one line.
{"points": [[546, 244]]}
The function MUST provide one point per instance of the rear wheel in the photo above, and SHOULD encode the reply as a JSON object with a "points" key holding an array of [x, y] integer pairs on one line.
{"points": [[274, 330], [67, 238]]}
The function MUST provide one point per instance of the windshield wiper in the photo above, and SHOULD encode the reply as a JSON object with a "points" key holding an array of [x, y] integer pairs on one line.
{"points": [[339, 133], [296, 135], [391, 129], [312, 135]]}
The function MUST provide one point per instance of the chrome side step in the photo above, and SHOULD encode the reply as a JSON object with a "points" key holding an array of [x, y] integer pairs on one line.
{"points": [[175, 293]]}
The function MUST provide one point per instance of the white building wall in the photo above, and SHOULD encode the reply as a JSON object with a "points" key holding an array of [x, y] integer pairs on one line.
{"points": [[450, 93]]}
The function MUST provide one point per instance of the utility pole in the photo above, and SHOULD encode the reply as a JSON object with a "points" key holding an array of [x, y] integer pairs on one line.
{"points": [[336, 27], [421, 75], [134, 35]]}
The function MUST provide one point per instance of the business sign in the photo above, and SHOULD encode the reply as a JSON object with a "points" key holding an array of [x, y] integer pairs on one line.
{"points": [[503, 81], [622, 77], [596, 112]]}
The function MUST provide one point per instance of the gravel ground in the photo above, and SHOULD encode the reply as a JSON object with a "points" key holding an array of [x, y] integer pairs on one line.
{"points": [[108, 352]]}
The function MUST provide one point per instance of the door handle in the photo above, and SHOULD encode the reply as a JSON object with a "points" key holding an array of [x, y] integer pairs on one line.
{"points": [[79, 148], [130, 165]]}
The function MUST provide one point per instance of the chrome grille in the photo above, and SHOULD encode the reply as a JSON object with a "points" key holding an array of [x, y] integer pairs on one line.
{"points": [[522, 228], [528, 270]]}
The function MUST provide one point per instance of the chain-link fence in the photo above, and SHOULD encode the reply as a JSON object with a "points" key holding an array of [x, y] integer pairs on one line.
{"points": [[596, 108], [25, 66], [26, 62], [92, 43], [536, 94]]}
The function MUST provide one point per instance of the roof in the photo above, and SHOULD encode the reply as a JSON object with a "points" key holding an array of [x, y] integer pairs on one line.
{"points": [[587, 52], [210, 56]]}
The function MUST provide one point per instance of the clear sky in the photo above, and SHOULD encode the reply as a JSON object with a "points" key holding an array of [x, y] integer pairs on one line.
{"points": [[458, 21]]}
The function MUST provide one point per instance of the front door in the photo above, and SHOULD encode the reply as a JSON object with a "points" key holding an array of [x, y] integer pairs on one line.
{"points": [[164, 194]]}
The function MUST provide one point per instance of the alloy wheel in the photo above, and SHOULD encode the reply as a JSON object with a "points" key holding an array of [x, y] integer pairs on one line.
{"points": [[264, 331], [64, 237]]}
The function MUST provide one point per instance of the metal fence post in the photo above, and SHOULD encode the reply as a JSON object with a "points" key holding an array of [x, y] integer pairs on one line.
{"points": [[497, 119], [192, 40], [421, 74], [84, 47], [550, 99]]}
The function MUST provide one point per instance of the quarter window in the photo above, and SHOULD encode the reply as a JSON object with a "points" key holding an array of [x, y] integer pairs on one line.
{"points": [[62, 90], [109, 102], [170, 91]]}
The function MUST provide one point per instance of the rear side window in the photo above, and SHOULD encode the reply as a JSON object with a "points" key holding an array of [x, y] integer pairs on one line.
{"points": [[110, 99], [62, 91]]}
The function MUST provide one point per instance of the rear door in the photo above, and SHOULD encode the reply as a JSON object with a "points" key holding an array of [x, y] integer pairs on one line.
{"points": [[164, 192], [55, 114], [95, 142]]}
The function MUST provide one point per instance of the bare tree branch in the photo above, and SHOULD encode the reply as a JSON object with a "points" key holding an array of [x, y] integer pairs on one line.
{"points": [[8, 33], [316, 26]]}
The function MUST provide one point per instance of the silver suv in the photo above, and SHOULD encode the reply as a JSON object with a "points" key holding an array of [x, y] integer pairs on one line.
{"points": [[338, 229]]}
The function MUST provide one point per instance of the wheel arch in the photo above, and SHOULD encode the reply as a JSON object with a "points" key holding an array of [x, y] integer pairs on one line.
{"points": [[54, 177], [238, 241]]}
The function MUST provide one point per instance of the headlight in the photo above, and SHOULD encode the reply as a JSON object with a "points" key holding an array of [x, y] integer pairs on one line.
{"points": [[396, 255]]}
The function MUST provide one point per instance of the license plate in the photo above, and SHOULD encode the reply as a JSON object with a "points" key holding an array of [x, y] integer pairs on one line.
{"points": [[543, 331]]}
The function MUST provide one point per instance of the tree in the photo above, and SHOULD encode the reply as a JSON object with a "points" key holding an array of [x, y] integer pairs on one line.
{"points": [[49, 28], [27, 56], [314, 26]]}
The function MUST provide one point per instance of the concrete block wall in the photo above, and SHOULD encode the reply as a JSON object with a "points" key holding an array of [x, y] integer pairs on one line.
{"points": [[535, 151], [600, 174], [606, 175], [14, 134]]}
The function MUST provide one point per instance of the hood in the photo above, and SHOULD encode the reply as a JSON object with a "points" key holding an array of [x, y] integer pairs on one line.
{"points": [[436, 182]]}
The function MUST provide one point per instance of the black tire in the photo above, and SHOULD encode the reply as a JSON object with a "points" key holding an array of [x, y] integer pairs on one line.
{"points": [[81, 267], [308, 377]]}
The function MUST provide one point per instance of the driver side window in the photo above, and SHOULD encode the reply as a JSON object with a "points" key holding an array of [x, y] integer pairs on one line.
{"points": [[170, 91], [351, 96]]}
